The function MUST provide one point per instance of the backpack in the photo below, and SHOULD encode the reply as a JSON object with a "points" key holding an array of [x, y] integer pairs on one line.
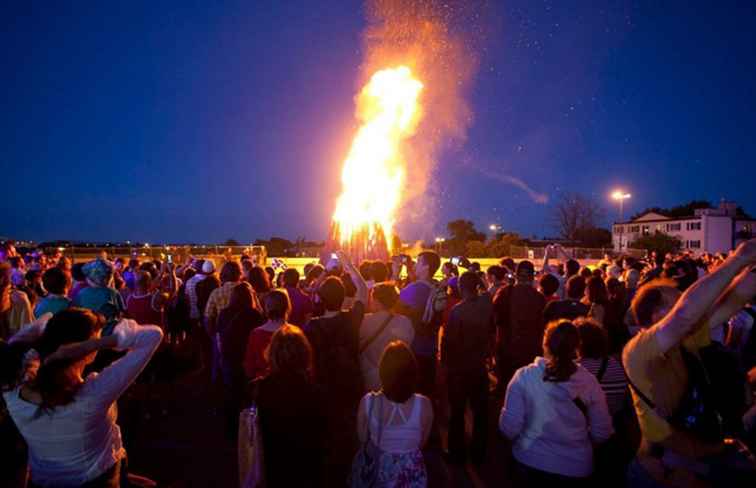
{"points": [[430, 321]]}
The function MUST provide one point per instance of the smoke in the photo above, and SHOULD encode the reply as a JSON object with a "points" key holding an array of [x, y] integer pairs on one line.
{"points": [[537, 197], [436, 40]]}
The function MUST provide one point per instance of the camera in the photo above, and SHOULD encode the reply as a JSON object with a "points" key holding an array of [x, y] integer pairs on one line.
{"points": [[460, 261]]}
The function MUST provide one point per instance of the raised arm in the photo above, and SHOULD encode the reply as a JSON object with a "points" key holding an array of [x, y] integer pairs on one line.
{"points": [[359, 282], [741, 291], [140, 343], [697, 301]]}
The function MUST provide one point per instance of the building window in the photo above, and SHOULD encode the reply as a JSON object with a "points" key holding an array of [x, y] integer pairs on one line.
{"points": [[693, 226], [634, 229], [646, 230], [674, 227], [695, 244]]}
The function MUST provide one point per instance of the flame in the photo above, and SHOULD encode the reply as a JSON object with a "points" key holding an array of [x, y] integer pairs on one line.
{"points": [[373, 173]]}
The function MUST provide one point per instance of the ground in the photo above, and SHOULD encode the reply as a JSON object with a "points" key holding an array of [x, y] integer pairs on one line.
{"points": [[179, 442]]}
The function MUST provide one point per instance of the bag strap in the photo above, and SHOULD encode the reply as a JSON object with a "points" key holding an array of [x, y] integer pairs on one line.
{"points": [[637, 391], [602, 368], [376, 334]]}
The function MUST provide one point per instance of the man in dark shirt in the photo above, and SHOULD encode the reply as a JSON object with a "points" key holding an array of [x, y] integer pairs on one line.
{"points": [[518, 314], [465, 347], [335, 346], [571, 307]]}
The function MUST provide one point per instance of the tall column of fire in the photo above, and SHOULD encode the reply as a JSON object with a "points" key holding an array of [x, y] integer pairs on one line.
{"points": [[374, 170]]}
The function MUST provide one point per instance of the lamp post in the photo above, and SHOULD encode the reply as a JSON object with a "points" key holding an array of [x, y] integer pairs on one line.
{"points": [[621, 196], [494, 228], [439, 242]]}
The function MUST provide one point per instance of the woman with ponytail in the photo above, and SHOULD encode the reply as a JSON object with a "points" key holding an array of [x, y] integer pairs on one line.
{"points": [[554, 412], [68, 420]]}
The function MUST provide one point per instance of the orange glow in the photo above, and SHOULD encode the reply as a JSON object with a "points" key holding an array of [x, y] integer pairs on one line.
{"points": [[374, 170]]}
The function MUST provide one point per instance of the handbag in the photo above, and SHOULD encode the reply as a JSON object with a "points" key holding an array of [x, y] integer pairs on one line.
{"points": [[251, 467], [366, 462]]}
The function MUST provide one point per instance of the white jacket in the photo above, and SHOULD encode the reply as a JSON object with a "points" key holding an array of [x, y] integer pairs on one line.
{"points": [[549, 432]]}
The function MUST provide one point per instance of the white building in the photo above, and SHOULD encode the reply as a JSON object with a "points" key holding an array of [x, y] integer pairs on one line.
{"points": [[709, 230]]}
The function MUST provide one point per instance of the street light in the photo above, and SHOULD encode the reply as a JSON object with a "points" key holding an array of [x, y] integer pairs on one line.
{"points": [[621, 196], [439, 243]]}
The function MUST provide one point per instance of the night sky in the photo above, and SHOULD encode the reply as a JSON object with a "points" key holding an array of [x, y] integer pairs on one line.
{"points": [[201, 121]]}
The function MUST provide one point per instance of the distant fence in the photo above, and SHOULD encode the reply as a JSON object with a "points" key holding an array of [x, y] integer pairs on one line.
{"points": [[219, 253], [537, 253]]}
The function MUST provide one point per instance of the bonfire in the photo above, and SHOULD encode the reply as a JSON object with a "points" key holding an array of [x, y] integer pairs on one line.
{"points": [[374, 170]]}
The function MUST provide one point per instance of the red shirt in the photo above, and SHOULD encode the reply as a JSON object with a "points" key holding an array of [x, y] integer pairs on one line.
{"points": [[255, 364], [140, 308]]}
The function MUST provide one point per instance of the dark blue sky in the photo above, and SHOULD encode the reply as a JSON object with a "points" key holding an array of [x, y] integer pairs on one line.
{"points": [[186, 121]]}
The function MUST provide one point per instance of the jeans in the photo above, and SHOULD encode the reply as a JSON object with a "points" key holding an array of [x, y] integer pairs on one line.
{"points": [[467, 386]]}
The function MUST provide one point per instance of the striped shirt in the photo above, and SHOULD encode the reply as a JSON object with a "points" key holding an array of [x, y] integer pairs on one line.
{"points": [[613, 382]]}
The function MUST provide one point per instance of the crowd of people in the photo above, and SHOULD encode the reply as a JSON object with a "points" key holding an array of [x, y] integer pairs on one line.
{"points": [[634, 371]]}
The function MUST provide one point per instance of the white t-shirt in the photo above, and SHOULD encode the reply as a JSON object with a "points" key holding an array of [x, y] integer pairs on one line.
{"points": [[76, 443], [399, 328]]}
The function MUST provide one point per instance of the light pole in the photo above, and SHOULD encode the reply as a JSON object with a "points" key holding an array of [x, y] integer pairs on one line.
{"points": [[439, 242], [494, 228], [621, 196]]}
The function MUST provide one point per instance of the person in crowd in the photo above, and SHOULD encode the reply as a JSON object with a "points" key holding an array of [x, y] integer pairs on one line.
{"points": [[364, 268], [423, 301], [596, 298], [586, 273], [572, 268], [65, 264], [397, 420], [518, 314], [449, 270], [234, 325], [260, 281], [496, 276], [593, 355], [67, 420], [205, 287], [632, 277], [148, 303], [79, 280], [230, 276], [57, 283], [129, 274], [378, 329], [277, 309], [33, 286], [554, 411], [571, 307], [292, 412], [99, 296], [301, 303], [15, 309], [202, 269], [614, 315], [674, 328], [465, 349], [198, 293], [335, 343], [379, 272], [548, 285]]}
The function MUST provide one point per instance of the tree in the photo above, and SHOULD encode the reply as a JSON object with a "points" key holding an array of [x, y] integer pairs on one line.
{"points": [[231, 242], [660, 242], [573, 212], [475, 249], [501, 246], [594, 237], [461, 232]]}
